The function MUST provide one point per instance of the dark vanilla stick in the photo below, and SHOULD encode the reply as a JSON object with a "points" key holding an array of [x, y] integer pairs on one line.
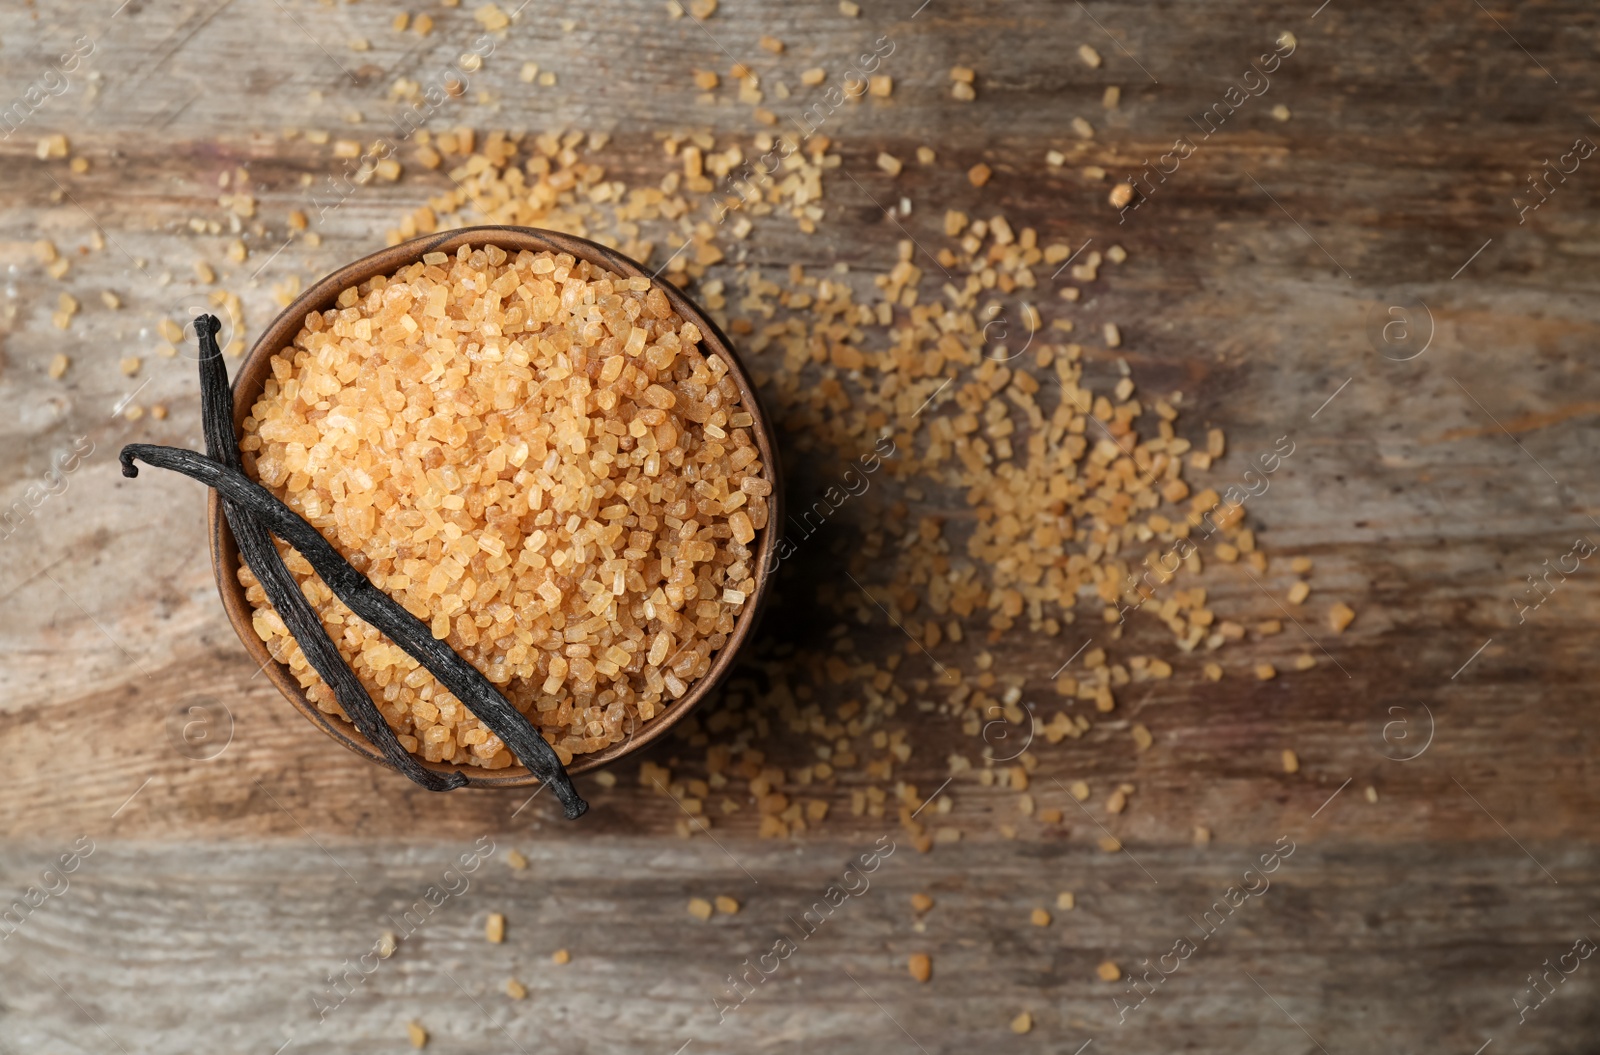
{"points": [[376, 607], [257, 550]]}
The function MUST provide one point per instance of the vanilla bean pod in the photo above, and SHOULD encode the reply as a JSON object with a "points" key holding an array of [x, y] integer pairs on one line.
{"points": [[257, 550], [376, 607]]}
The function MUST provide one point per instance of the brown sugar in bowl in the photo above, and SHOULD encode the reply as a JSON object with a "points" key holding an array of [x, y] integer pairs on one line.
{"points": [[248, 384]]}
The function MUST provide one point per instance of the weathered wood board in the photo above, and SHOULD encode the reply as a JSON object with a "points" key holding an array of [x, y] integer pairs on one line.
{"points": [[220, 894]]}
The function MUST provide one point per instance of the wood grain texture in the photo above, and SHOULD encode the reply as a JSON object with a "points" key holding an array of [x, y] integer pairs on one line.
{"points": [[215, 902], [235, 947]]}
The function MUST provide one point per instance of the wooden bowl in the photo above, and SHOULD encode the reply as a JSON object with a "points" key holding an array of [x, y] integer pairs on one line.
{"points": [[250, 378]]}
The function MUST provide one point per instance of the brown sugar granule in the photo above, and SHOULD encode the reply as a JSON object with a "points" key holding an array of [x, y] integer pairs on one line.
{"points": [[418, 1035], [1121, 194], [979, 174], [533, 455], [1066, 901], [1340, 616], [561, 957], [66, 307], [515, 989], [1299, 592], [58, 366], [1090, 57], [515, 859], [920, 965], [1022, 1023], [1039, 918], [921, 902], [1291, 761], [494, 928], [700, 908], [727, 905], [1202, 835], [1266, 671], [491, 17], [1108, 971]]}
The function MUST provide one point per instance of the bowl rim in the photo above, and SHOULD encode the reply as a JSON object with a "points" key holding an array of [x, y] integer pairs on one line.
{"points": [[249, 380]]}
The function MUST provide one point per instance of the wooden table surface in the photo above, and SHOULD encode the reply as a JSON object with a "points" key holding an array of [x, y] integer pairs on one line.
{"points": [[216, 897]]}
